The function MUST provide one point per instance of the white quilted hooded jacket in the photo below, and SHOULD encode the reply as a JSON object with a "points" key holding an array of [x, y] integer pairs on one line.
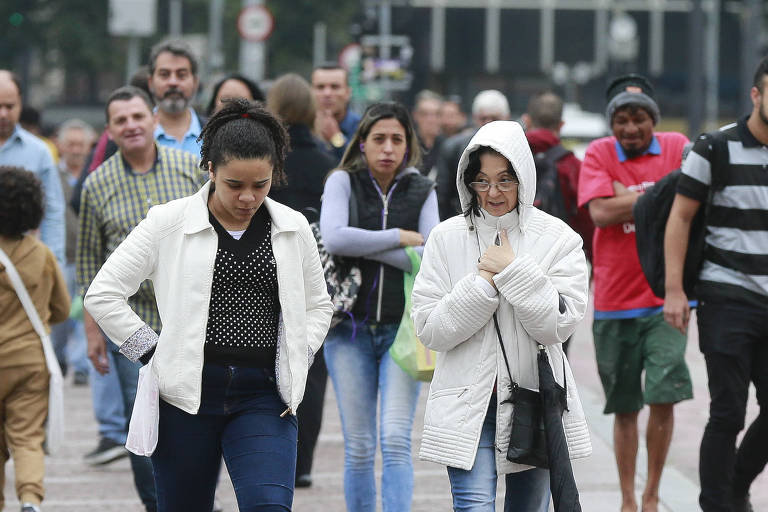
{"points": [[542, 297]]}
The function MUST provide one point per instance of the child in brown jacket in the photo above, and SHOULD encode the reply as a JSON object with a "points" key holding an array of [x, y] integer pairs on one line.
{"points": [[24, 376]]}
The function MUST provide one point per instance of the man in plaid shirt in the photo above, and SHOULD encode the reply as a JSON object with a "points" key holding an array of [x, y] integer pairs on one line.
{"points": [[115, 198]]}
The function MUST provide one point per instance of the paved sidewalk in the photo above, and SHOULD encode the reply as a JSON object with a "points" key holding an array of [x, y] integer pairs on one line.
{"points": [[72, 486]]}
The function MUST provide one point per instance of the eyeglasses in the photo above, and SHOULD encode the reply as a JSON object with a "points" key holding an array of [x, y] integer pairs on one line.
{"points": [[502, 186]]}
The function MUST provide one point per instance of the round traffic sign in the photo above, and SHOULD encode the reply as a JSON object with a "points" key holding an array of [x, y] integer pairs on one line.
{"points": [[255, 23]]}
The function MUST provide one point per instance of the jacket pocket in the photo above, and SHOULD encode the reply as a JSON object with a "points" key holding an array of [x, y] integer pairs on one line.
{"points": [[447, 408], [459, 391]]}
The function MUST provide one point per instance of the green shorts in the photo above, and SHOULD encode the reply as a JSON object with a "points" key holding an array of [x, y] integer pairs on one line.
{"points": [[626, 347]]}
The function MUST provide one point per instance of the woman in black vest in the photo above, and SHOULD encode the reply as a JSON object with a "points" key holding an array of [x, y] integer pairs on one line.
{"points": [[393, 206]]}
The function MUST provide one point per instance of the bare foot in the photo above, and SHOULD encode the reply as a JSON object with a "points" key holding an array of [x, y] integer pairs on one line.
{"points": [[629, 507], [650, 504]]}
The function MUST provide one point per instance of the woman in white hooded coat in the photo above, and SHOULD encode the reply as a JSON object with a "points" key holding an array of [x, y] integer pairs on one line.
{"points": [[536, 282]]}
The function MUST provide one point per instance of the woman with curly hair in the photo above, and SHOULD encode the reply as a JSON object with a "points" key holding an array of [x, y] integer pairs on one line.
{"points": [[23, 373], [244, 307]]}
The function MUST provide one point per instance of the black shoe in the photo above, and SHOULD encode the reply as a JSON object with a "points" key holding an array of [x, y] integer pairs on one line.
{"points": [[107, 451], [30, 507], [81, 379], [304, 480]]}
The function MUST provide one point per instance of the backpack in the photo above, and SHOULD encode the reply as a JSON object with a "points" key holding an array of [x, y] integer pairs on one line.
{"points": [[549, 195], [342, 276], [651, 212]]}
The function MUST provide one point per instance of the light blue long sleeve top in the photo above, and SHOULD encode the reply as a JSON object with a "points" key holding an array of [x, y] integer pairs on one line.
{"points": [[381, 245], [22, 149]]}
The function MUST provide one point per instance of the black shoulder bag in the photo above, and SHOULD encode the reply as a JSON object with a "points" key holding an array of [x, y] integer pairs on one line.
{"points": [[528, 438]]}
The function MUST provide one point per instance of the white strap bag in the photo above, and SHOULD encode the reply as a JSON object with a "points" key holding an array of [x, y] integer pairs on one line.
{"points": [[54, 428], [142, 431]]}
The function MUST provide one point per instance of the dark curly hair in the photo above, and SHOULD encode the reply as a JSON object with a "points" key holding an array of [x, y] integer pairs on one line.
{"points": [[243, 130], [21, 201]]}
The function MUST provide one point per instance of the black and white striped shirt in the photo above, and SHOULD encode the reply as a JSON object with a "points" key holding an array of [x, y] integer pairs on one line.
{"points": [[736, 259]]}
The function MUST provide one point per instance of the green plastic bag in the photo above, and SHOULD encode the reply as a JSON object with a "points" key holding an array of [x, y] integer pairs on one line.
{"points": [[407, 351]]}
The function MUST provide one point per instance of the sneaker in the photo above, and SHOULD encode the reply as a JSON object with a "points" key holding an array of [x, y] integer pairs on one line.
{"points": [[106, 452], [30, 507], [303, 481]]}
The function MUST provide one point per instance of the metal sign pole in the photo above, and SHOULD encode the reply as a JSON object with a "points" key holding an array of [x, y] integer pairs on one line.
{"points": [[252, 54]]}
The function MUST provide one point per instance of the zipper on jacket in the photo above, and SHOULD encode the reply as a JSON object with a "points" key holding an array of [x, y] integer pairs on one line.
{"points": [[384, 215]]}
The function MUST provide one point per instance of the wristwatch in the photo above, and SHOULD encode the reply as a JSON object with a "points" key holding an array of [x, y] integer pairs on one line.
{"points": [[338, 140]]}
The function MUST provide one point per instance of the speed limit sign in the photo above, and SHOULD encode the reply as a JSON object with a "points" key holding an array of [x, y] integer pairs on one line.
{"points": [[255, 23]]}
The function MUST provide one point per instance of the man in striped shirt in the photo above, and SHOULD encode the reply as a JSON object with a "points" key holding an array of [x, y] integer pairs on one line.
{"points": [[115, 198], [733, 296]]}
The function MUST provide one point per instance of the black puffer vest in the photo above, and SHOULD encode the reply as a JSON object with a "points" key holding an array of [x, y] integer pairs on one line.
{"points": [[380, 299]]}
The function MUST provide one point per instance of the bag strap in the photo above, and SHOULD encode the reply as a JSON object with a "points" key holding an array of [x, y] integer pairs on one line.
{"points": [[720, 161], [21, 292], [718, 165], [353, 217], [506, 361], [34, 317], [503, 350], [556, 152]]}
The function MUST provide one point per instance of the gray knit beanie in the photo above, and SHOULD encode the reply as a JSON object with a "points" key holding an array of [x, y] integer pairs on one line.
{"points": [[631, 89]]}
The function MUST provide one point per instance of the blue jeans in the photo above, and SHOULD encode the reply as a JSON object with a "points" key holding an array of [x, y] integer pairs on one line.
{"points": [[68, 337], [127, 373], [361, 368], [475, 490], [108, 400], [239, 418]]}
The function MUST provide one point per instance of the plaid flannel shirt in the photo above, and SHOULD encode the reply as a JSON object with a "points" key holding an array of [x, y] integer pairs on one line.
{"points": [[115, 199]]}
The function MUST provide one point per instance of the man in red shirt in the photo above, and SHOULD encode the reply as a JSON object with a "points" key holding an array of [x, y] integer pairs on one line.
{"points": [[631, 336]]}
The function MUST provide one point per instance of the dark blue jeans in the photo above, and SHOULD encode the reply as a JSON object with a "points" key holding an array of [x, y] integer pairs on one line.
{"points": [[239, 418]]}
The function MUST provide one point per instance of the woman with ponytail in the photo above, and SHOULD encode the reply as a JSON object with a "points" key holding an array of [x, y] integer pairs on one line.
{"points": [[244, 307], [393, 206]]}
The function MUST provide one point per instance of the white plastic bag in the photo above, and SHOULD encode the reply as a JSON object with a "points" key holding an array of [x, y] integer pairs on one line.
{"points": [[54, 426], [142, 431]]}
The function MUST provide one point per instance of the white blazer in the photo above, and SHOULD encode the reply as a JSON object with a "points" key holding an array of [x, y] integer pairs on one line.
{"points": [[542, 296], [175, 247]]}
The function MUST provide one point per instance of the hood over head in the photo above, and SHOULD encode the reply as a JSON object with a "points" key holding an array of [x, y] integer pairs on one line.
{"points": [[507, 138]]}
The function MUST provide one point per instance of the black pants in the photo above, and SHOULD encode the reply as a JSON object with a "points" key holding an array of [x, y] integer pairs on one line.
{"points": [[734, 340], [310, 414]]}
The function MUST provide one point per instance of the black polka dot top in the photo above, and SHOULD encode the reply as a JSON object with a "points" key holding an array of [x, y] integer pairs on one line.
{"points": [[244, 312]]}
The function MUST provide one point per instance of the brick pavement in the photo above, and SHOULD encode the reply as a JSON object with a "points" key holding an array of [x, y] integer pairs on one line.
{"points": [[73, 486]]}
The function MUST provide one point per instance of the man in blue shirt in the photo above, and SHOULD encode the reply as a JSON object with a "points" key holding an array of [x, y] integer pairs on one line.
{"points": [[20, 148], [173, 82]]}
